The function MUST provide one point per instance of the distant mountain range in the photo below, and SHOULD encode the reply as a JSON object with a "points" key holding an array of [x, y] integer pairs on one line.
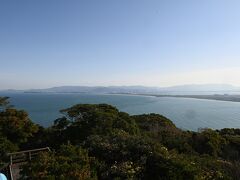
{"points": [[182, 89]]}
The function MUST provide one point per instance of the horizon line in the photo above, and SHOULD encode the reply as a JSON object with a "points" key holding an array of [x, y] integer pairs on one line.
{"points": [[107, 86]]}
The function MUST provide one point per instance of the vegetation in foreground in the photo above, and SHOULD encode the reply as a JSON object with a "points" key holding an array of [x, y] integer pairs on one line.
{"points": [[98, 142]]}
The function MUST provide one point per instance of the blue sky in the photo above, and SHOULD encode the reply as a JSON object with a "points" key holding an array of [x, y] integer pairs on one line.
{"points": [[46, 43]]}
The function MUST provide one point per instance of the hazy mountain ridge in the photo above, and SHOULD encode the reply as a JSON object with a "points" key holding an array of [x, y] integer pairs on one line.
{"points": [[98, 89], [181, 89]]}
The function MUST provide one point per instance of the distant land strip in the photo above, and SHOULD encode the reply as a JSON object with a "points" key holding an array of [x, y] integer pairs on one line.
{"points": [[217, 97]]}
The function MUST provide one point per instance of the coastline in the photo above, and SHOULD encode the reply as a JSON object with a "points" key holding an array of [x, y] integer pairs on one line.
{"points": [[215, 97]]}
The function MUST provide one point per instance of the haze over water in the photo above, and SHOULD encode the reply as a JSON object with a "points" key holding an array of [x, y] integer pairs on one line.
{"points": [[186, 113]]}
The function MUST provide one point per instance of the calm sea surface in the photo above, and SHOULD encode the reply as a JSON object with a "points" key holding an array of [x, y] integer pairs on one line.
{"points": [[189, 114]]}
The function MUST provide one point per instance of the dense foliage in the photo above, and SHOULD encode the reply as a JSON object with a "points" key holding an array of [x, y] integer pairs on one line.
{"points": [[70, 162], [99, 142]]}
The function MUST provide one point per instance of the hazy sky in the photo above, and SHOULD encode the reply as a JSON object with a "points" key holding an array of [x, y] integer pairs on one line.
{"points": [[46, 43]]}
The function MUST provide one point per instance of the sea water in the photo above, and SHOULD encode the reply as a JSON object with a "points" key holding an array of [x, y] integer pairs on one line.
{"points": [[186, 113]]}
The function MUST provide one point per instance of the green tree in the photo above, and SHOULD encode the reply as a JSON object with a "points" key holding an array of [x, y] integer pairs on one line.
{"points": [[16, 126], [208, 142], [6, 147], [69, 162], [4, 103], [87, 119]]}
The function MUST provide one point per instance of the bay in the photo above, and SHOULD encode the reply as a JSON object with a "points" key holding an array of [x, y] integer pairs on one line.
{"points": [[186, 113]]}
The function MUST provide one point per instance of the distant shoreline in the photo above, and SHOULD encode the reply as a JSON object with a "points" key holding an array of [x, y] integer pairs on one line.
{"points": [[216, 97]]}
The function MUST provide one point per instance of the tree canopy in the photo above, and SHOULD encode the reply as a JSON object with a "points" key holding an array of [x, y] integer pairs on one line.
{"points": [[97, 141]]}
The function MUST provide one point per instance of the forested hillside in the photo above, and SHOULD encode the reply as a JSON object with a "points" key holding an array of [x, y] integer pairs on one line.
{"points": [[100, 142]]}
